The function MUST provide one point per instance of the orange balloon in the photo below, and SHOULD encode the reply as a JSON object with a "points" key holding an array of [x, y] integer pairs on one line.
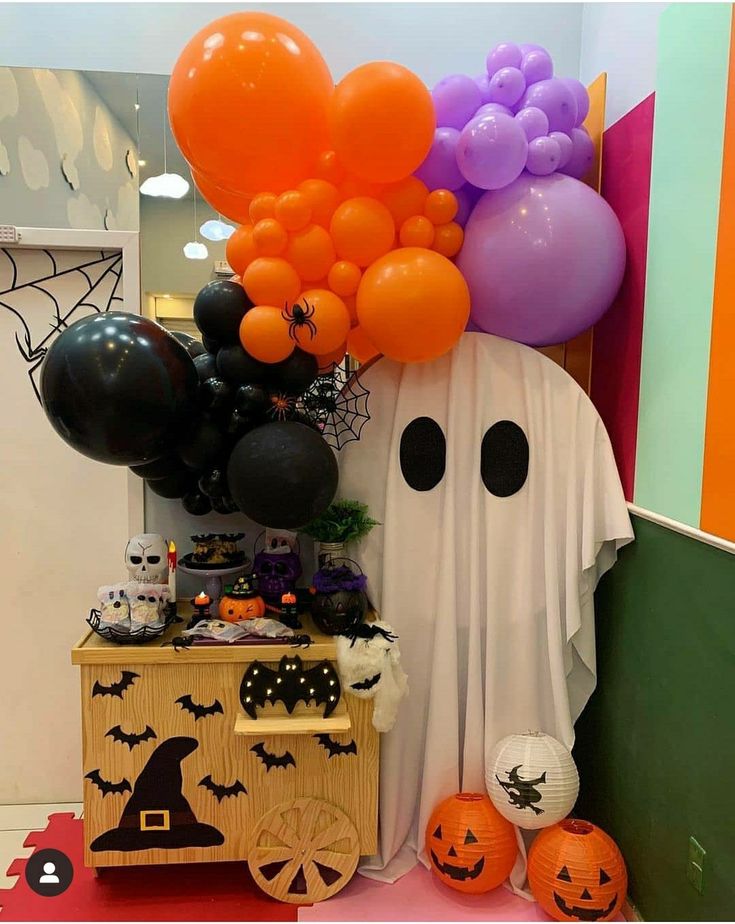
{"points": [[382, 121], [311, 252], [360, 346], [362, 230], [417, 231], [322, 321], [352, 186], [405, 199], [271, 281], [329, 168], [230, 204], [328, 361], [323, 198], [413, 304], [270, 237], [240, 248], [264, 334], [248, 102], [344, 277], [441, 206], [293, 210], [263, 206], [448, 239], [351, 305]]}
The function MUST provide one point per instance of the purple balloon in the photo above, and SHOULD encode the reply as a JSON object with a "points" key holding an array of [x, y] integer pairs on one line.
{"points": [[544, 155], [537, 65], [582, 97], [533, 121], [483, 85], [439, 170], [583, 153], [565, 147], [529, 46], [493, 107], [456, 99], [504, 55], [467, 197], [507, 86], [556, 100], [543, 259], [492, 150]]}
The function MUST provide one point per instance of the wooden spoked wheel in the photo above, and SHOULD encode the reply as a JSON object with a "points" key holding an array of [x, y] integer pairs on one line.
{"points": [[304, 851]]}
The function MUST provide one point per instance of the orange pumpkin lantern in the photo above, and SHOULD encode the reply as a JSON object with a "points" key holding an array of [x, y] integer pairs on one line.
{"points": [[471, 846], [242, 602], [576, 872]]}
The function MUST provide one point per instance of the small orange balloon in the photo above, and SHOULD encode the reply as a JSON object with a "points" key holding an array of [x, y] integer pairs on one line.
{"points": [[264, 334], [232, 205], [329, 168], [270, 237], [271, 281], [448, 239], [322, 321], [311, 252], [328, 361], [293, 210], [323, 198], [417, 231], [263, 206], [413, 304], [240, 248], [360, 346], [405, 198], [362, 230], [381, 121], [344, 278], [441, 206]]}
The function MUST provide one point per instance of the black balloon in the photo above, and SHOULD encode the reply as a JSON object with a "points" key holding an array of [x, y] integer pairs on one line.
{"points": [[224, 504], [210, 344], [196, 503], [206, 366], [282, 475], [237, 366], [252, 399], [176, 485], [214, 393], [196, 348], [214, 483], [239, 423], [294, 375], [219, 308], [116, 387], [159, 468], [201, 445]]}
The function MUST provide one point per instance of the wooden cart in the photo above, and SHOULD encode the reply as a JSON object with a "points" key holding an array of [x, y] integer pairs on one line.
{"points": [[175, 772]]}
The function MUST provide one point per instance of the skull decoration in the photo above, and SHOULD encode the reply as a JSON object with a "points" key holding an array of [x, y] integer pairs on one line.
{"points": [[277, 567], [146, 558]]}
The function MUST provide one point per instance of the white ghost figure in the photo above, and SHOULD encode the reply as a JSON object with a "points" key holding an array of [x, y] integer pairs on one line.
{"points": [[146, 558], [501, 506], [114, 605], [147, 603]]}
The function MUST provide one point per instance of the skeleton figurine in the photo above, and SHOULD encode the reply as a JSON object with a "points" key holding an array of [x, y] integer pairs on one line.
{"points": [[146, 558]]}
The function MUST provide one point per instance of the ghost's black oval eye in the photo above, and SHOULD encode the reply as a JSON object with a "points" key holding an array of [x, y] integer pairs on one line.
{"points": [[423, 454], [504, 458]]}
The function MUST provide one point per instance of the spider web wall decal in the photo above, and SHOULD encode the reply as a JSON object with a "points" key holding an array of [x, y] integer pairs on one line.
{"points": [[337, 403], [47, 290]]}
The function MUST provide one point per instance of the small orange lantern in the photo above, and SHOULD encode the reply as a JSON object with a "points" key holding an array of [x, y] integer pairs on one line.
{"points": [[471, 846], [577, 873], [243, 602]]}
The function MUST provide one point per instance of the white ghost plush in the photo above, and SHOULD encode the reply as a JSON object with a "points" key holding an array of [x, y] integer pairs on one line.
{"points": [[147, 604], [114, 606], [501, 506]]}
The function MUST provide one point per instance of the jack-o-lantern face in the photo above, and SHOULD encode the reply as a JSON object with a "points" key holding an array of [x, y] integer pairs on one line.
{"points": [[576, 872], [471, 846], [236, 609]]}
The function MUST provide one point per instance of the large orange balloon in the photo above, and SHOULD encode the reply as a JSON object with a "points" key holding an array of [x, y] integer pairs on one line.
{"points": [[362, 230], [413, 304], [271, 281], [328, 361], [311, 252], [265, 334], [321, 321], [382, 121], [240, 248], [405, 199], [248, 101], [231, 205], [360, 346]]}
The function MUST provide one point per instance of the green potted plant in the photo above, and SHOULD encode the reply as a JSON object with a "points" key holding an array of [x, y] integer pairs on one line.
{"points": [[342, 522]]}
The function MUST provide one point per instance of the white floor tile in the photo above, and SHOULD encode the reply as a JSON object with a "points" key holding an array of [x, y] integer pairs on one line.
{"points": [[33, 817]]}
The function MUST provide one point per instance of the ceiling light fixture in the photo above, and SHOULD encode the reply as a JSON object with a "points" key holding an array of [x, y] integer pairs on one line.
{"points": [[166, 185], [216, 229], [195, 250]]}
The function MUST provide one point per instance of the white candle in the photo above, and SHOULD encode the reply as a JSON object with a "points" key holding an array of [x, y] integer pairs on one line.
{"points": [[172, 571]]}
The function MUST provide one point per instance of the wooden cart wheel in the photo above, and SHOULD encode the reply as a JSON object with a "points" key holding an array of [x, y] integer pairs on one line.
{"points": [[304, 851]]}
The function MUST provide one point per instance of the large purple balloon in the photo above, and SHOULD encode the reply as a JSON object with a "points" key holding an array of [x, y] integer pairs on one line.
{"points": [[439, 170], [556, 100], [492, 150], [543, 258], [456, 99]]}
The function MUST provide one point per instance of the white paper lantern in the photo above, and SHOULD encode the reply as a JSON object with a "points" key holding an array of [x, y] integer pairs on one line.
{"points": [[532, 779]]}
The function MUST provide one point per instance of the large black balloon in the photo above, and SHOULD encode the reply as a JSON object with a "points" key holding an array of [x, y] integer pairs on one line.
{"points": [[294, 375], [172, 486], [219, 308], [159, 468], [117, 387], [239, 367], [201, 445], [206, 366], [282, 475]]}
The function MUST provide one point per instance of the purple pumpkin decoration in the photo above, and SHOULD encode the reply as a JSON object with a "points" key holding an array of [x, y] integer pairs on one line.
{"points": [[278, 568]]}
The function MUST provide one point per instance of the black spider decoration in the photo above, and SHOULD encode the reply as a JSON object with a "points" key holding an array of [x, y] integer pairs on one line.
{"points": [[299, 317], [367, 630]]}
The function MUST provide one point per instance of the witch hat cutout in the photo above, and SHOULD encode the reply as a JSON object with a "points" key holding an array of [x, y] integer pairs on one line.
{"points": [[157, 814]]}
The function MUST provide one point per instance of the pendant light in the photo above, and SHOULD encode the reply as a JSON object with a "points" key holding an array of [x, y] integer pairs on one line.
{"points": [[195, 250], [166, 185]]}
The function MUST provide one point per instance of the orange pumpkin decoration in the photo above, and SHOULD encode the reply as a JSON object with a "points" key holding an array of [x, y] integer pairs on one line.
{"points": [[242, 602], [576, 872], [471, 846]]}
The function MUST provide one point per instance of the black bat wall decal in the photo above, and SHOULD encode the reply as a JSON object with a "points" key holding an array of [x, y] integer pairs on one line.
{"points": [[105, 786], [272, 760], [132, 739], [197, 709], [334, 747], [366, 684], [290, 684], [221, 792], [115, 689]]}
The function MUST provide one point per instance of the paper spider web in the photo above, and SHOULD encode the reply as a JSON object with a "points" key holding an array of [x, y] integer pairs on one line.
{"points": [[47, 290], [338, 404]]}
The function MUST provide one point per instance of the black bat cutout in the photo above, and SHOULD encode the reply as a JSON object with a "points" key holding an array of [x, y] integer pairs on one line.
{"points": [[220, 791], [335, 747], [197, 709], [290, 684], [115, 689], [272, 760], [366, 684], [132, 739], [105, 786]]}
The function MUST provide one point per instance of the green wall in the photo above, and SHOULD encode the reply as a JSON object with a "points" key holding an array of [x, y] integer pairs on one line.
{"points": [[656, 744]]}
